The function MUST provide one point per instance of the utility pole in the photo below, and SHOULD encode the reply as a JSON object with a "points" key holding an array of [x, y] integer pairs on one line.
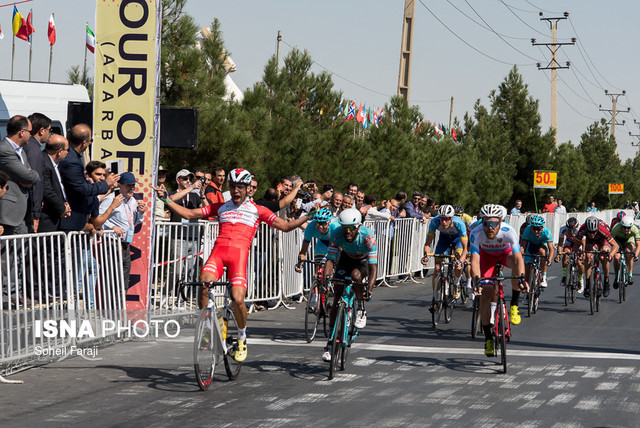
{"points": [[404, 75], [279, 38], [451, 115], [614, 110], [554, 65], [637, 144]]}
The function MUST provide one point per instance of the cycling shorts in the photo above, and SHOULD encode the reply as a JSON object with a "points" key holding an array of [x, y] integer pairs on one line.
{"points": [[602, 246], [445, 242], [234, 259], [347, 264], [626, 241], [488, 261], [532, 250]]}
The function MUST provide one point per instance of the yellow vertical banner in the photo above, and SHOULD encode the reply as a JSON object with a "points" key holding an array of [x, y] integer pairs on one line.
{"points": [[125, 113]]}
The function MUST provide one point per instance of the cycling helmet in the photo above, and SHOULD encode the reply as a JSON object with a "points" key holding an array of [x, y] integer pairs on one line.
{"points": [[626, 221], [459, 209], [350, 217], [572, 222], [528, 218], [537, 221], [621, 214], [239, 176], [446, 211], [492, 210], [592, 224], [323, 215]]}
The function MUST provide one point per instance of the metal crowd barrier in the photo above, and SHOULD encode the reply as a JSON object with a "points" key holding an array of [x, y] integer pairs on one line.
{"points": [[51, 281]]}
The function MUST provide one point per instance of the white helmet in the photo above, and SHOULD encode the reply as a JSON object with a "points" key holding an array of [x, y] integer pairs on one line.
{"points": [[240, 176], [446, 211], [350, 217], [492, 210], [626, 221]]}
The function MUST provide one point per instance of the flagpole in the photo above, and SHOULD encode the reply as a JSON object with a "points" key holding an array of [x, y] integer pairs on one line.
{"points": [[84, 69], [50, 54], [30, 45], [13, 51]]}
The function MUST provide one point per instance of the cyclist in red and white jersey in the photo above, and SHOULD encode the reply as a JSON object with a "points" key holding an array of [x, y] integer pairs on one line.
{"points": [[495, 241], [239, 219], [594, 235], [566, 239]]}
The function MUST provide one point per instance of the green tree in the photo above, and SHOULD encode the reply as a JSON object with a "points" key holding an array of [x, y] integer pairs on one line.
{"points": [[80, 77], [573, 178]]}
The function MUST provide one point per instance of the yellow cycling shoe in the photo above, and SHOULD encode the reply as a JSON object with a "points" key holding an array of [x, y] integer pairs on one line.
{"points": [[241, 352], [488, 348], [515, 315]]}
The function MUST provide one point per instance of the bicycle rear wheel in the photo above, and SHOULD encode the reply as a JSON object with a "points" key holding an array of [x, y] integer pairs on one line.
{"points": [[206, 348], [532, 283], [475, 317], [336, 342], [231, 366], [502, 334], [311, 314]]}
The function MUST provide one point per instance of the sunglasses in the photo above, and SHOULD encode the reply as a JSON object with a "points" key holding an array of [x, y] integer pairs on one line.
{"points": [[492, 224], [537, 229], [349, 228], [445, 218], [626, 228]]}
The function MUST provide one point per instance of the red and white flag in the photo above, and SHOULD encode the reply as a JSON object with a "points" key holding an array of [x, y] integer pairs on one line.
{"points": [[51, 31]]}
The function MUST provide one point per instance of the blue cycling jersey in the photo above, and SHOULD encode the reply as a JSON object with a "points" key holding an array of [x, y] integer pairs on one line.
{"points": [[322, 241], [545, 237], [458, 229], [364, 245]]}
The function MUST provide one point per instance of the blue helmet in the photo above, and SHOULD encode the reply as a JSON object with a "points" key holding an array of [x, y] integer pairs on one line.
{"points": [[537, 221], [323, 215]]}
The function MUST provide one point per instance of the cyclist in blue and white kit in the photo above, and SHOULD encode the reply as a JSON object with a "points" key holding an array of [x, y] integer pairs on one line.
{"points": [[356, 246], [453, 232], [321, 228], [495, 241], [537, 239]]}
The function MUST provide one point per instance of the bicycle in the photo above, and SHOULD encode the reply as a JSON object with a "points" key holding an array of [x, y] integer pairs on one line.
{"points": [[476, 326], [622, 275], [595, 288], [443, 298], [213, 341], [572, 283], [501, 326], [344, 331], [319, 301], [535, 277]]}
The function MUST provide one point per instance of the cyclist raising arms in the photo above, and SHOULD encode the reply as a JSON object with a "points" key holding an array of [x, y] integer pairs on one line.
{"points": [[627, 237], [358, 258], [453, 232], [239, 219], [566, 240], [537, 239], [594, 235], [495, 242]]}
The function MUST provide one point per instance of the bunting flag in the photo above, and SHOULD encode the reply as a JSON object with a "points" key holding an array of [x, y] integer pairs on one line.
{"points": [[91, 40], [51, 31], [352, 112], [360, 115]]}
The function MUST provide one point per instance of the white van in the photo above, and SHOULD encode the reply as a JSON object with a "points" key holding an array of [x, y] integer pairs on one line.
{"points": [[50, 99]]}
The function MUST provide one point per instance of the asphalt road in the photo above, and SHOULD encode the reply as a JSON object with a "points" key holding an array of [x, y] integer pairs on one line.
{"points": [[567, 368]]}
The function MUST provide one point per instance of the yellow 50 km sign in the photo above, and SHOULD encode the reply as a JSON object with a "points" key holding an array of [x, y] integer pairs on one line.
{"points": [[545, 179], [616, 189]]}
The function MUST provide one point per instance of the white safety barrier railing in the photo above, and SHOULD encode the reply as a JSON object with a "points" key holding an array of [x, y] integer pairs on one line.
{"points": [[264, 268], [381, 229], [289, 248], [50, 280], [401, 247]]}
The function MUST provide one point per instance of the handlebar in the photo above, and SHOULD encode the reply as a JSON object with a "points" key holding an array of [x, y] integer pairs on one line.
{"points": [[183, 285]]}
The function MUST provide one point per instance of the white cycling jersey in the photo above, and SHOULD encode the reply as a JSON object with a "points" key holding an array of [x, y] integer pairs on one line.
{"points": [[506, 239]]}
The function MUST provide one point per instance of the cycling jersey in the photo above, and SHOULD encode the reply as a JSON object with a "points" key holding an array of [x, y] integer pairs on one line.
{"points": [[238, 225], [602, 235], [569, 237], [322, 241], [545, 237], [364, 245], [614, 221], [473, 225], [506, 241], [625, 238], [451, 236], [467, 220]]}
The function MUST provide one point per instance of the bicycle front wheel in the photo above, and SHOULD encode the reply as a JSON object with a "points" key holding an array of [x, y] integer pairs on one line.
{"points": [[475, 317], [336, 341], [231, 366], [448, 303], [438, 303], [206, 348], [344, 354], [622, 281], [311, 313], [327, 304], [502, 334]]}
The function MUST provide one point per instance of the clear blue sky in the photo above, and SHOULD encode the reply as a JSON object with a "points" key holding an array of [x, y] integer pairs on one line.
{"points": [[360, 42]]}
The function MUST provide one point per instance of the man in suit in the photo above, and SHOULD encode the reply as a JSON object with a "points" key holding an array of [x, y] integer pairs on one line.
{"points": [[40, 132], [55, 204], [13, 206], [75, 182]]}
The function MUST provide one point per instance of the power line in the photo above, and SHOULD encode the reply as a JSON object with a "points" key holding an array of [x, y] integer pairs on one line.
{"points": [[539, 8], [494, 31], [568, 104], [480, 25], [517, 8], [521, 20], [466, 43]]}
